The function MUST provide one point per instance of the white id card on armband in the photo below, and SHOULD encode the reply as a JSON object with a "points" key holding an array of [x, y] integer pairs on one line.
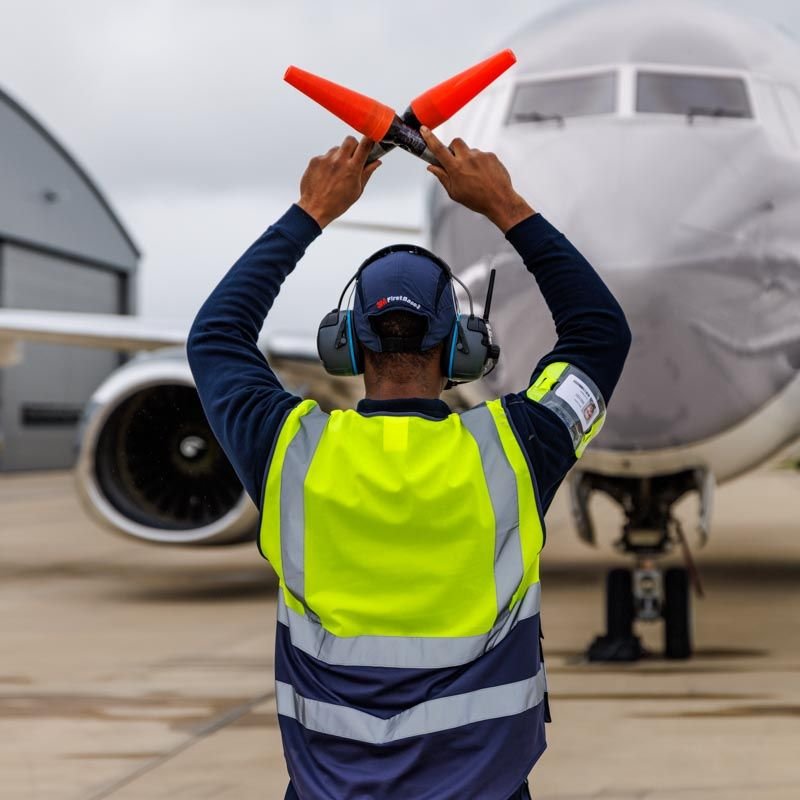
{"points": [[580, 399]]}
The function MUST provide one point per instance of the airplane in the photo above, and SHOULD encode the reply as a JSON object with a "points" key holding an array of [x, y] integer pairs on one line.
{"points": [[664, 138]]}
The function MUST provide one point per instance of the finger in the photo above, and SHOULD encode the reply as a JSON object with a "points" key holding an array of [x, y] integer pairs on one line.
{"points": [[368, 171], [459, 147], [361, 153], [436, 146], [349, 146]]}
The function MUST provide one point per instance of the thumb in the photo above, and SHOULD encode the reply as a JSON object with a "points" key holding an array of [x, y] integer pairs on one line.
{"points": [[361, 153]]}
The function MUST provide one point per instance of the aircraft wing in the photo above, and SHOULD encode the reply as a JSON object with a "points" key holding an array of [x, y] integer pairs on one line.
{"points": [[110, 331], [294, 347], [116, 332]]}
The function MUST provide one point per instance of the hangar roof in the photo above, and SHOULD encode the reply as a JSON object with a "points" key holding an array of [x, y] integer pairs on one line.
{"points": [[47, 199]]}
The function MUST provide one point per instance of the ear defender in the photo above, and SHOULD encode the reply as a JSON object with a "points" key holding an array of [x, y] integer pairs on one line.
{"points": [[337, 344], [468, 351]]}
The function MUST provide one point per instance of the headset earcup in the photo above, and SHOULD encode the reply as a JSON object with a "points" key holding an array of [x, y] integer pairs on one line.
{"points": [[334, 345], [467, 351]]}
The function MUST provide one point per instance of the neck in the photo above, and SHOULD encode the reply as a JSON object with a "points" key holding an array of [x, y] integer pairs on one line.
{"points": [[392, 390], [424, 380]]}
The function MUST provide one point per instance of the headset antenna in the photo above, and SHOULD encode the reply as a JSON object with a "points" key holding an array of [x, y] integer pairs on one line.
{"points": [[489, 292]]}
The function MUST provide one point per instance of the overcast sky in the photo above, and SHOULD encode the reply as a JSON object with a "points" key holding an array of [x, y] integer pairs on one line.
{"points": [[178, 109]]}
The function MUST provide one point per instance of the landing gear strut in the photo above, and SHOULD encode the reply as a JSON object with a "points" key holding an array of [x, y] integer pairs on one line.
{"points": [[645, 593]]}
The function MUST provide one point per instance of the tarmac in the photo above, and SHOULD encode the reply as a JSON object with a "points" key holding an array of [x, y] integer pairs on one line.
{"points": [[133, 672]]}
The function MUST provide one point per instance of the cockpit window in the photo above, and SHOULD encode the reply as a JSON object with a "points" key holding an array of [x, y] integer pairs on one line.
{"points": [[556, 99], [691, 95]]}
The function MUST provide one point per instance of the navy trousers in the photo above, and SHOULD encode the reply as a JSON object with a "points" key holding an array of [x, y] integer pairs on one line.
{"points": [[523, 793]]}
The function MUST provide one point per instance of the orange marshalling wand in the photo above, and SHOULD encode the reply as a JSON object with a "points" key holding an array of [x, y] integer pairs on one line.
{"points": [[367, 116], [438, 104], [380, 123]]}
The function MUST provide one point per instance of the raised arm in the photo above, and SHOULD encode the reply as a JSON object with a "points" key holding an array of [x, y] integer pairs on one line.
{"points": [[593, 335], [241, 396], [571, 384]]}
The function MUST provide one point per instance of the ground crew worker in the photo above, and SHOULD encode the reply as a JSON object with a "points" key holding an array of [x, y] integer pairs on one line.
{"points": [[406, 537]]}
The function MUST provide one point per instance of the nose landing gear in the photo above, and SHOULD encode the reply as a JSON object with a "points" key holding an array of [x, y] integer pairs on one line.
{"points": [[645, 593], [648, 595]]}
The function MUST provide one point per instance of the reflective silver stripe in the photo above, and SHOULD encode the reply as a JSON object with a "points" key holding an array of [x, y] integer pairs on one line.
{"points": [[296, 462], [502, 483], [411, 652], [440, 714]]}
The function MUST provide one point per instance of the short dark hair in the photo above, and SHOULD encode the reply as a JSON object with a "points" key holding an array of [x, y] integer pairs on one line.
{"points": [[401, 367]]}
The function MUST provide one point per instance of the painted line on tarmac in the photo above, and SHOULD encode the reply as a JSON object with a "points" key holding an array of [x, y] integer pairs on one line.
{"points": [[211, 727]]}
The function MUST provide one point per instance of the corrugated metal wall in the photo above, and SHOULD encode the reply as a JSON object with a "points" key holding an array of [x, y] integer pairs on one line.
{"points": [[62, 248], [41, 399]]}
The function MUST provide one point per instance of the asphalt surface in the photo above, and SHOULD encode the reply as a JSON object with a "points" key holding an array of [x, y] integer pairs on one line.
{"points": [[134, 672]]}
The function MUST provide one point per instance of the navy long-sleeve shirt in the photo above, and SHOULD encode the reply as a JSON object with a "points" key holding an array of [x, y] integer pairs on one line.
{"points": [[245, 402]]}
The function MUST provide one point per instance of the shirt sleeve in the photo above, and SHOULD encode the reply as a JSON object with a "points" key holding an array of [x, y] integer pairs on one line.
{"points": [[242, 397], [564, 405]]}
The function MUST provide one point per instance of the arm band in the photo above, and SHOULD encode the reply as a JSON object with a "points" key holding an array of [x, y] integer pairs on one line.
{"points": [[574, 398]]}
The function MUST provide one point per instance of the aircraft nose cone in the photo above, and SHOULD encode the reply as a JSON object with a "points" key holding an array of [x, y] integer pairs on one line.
{"points": [[687, 224], [629, 192], [710, 347], [693, 228]]}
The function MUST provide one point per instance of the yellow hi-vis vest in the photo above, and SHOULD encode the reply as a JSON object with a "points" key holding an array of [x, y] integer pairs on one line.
{"points": [[401, 541]]}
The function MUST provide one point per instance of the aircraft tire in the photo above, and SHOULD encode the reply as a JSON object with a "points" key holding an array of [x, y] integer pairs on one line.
{"points": [[677, 616], [619, 604], [619, 643]]}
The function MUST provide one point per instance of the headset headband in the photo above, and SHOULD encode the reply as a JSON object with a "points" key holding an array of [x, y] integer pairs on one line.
{"points": [[416, 250], [468, 348]]}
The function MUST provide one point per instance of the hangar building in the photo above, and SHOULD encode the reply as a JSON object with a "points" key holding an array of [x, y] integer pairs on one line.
{"points": [[62, 248]]}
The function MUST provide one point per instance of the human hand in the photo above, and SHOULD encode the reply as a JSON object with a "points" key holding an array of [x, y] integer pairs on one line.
{"points": [[333, 182], [477, 180]]}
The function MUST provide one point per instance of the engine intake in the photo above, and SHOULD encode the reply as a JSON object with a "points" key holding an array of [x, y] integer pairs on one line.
{"points": [[149, 465]]}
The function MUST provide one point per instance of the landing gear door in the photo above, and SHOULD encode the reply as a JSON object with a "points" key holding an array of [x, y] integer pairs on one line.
{"points": [[705, 491], [580, 489]]}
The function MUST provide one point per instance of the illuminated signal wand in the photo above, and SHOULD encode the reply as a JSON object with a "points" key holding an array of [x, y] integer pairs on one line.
{"points": [[438, 104], [381, 124]]}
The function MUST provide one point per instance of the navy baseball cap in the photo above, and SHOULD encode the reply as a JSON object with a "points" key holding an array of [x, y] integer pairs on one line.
{"points": [[404, 278]]}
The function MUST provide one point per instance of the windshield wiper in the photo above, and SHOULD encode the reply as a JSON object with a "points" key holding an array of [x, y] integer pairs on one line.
{"points": [[712, 111], [536, 116]]}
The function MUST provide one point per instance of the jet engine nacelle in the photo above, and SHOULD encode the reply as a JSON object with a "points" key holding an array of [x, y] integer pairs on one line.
{"points": [[149, 465]]}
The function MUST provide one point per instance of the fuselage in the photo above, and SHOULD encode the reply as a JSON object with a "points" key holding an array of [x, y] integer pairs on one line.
{"points": [[664, 140]]}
